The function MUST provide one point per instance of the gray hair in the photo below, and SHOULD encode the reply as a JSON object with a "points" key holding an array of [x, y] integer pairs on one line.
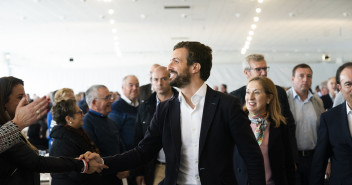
{"points": [[124, 79], [254, 57], [92, 93], [323, 84]]}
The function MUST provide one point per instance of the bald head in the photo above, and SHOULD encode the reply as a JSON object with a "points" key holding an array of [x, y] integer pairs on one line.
{"points": [[161, 80], [152, 68]]}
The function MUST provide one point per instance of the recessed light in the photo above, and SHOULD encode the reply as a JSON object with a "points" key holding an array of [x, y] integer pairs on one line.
{"points": [[253, 26], [260, 1], [251, 32], [112, 21], [243, 51], [111, 11], [256, 19], [258, 10]]}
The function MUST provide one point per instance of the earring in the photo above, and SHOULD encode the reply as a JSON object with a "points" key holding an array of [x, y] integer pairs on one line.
{"points": [[70, 122]]}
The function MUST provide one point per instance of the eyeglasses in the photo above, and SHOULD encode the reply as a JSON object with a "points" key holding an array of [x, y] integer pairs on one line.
{"points": [[79, 112], [106, 98], [260, 69]]}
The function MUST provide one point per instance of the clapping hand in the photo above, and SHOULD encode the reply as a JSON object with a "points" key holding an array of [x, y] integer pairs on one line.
{"points": [[95, 162]]}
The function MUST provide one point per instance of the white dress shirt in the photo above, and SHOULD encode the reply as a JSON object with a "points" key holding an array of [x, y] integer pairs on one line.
{"points": [[349, 117], [191, 121], [306, 122], [129, 101]]}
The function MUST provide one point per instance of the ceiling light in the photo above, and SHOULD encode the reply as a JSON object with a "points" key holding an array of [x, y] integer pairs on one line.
{"points": [[110, 11], [114, 30], [258, 10], [346, 14], [247, 43], [256, 19], [238, 15], [142, 16], [112, 21], [184, 16], [253, 26], [260, 1], [116, 37], [251, 32], [246, 47], [249, 38], [243, 51]]}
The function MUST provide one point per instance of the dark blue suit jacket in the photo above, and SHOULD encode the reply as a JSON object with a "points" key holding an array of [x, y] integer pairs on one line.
{"points": [[224, 125], [334, 142]]}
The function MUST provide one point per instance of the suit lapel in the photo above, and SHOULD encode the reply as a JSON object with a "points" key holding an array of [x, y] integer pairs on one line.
{"points": [[344, 123], [210, 104], [174, 115]]}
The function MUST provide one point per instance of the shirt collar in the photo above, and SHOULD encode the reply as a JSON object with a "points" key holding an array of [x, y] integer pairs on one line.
{"points": [[295, 95], [129, 101], [349, 111], [195, 99], [158, 101], [96, 113]]}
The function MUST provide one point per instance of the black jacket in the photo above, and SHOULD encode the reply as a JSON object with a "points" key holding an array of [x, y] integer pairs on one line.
{"points": [[71, 143], [145, 114], [21, 165], [280, 158]]}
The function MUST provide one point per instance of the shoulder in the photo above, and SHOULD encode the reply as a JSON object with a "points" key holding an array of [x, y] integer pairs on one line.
{"points": [[333, 112], [239, 91]]}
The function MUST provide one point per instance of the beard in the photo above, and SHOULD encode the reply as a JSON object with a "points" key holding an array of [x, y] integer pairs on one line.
{"points": [[180, 80]]}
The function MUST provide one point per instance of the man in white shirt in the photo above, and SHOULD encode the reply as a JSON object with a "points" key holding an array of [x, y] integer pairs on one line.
{"points": [[197, 130], [334, 137], [306, 109]]}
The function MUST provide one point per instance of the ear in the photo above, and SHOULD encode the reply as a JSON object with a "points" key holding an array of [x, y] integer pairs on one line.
{"points": [[270, 98], [339, 87], [196, 67], [68, 119], [292, 78], [247, 73]]}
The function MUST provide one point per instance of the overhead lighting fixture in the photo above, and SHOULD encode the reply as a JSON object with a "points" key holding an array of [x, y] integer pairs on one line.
{"points": [[258, 10], [177, 7], [243, 51], [256, 19], [114, 30], [251, 32], [111, 11], [112, 21], [253, 26], [260, 1], [249, 38]]}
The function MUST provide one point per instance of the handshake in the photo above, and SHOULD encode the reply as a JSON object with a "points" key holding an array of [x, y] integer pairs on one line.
{"points": [[95, 162]]}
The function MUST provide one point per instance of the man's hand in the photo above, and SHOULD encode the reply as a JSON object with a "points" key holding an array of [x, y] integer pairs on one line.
{"points": [[123, 174], [94, 166], [27, 114], [140, 180], [328, 170]]}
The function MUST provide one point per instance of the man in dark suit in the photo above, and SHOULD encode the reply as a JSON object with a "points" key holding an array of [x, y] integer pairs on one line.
{"points": [[334, 137], [255, 65], [146, 90], [197, 130]]}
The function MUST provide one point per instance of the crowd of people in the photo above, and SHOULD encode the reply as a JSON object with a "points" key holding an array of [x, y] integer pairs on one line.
{"points": [[178, 130]]}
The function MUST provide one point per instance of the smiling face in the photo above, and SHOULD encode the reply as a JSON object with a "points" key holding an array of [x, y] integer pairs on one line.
{"points": [[180, 75], [130, 88], [346, 85], [102, 103], [256, 98], [14, 99]]}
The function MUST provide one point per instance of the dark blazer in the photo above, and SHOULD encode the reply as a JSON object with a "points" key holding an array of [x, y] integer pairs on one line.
{"points": [[327, 101], [144, 92], [145, 114], [21, 165], [285, 111], [224, 125], [334, 142], [280, 158]]}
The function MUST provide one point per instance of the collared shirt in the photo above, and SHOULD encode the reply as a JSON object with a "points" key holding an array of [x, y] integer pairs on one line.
{"points": [[96, 113], [129, 101], [161, 157], [332, 98], [349, 117], [306, 122], [191, 121]]}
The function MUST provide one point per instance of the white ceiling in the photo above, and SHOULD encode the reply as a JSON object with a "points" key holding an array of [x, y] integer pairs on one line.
{"points": [[37, 32]]}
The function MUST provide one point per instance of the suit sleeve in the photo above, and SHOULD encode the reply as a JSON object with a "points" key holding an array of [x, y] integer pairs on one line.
{"points": [[22, 155], [138, 136], [247, 145], [321, 155], [289, 163]]}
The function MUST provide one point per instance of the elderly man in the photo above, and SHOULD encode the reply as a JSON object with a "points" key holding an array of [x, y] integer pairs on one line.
{"points": [[255, 65], [306, 109], [154, 171], [101, 129], [146, 90], [334, 137], [198, 129], [329, 98], [124, 111]]}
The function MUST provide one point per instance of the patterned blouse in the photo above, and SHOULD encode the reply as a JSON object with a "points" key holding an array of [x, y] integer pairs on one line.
{"points": [[9, 136]]}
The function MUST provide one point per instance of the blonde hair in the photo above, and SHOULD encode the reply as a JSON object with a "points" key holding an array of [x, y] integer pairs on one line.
{"points": [[273, 108], [62, 94]]}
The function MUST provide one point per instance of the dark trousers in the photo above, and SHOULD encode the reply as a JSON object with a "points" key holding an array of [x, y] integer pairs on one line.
{"points": [[305, 159]]}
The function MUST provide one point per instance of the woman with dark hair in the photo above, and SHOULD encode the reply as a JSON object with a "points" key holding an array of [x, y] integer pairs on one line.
{"points": [[70, 140], [271, 132], [21, 163]]}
